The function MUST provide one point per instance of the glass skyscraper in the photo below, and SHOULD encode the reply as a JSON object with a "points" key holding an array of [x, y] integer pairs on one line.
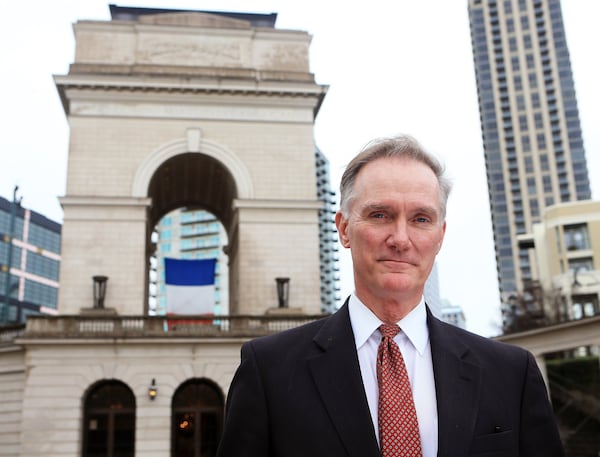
{"points": [[531, 132]]}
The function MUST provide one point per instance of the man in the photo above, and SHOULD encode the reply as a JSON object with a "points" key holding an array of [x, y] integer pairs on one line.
{"points": [[316, 390]]}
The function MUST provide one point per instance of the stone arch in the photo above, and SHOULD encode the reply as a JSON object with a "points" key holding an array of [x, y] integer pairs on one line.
{"points": [[192, 143]]}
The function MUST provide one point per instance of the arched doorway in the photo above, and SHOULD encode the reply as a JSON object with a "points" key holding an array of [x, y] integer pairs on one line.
{"points": [[197, 418], [191, 182], [109, 420]]}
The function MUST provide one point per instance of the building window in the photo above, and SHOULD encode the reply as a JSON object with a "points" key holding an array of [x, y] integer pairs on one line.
{"points": [[544, 164], [197, 419], [531, 187], [585, 306], [547, 180], [515, 63], [539, 120], [533, 81], [518, 82], [523, 122], [581, 265], [541, 141], [576, 237], [109, 421]]}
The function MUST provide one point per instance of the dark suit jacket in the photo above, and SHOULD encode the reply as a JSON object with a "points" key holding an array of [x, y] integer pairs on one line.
{"points": [[300, 393]]}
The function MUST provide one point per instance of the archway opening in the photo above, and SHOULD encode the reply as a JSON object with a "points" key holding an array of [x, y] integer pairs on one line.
{"points": [[191, 217]]}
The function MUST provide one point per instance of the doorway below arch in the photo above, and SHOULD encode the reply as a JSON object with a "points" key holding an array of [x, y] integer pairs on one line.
{"points": [[197, 418]]}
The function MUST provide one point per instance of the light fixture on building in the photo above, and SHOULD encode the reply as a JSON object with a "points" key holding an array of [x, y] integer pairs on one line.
{"points": [[283, 291], [99, 290], [152, 390]]}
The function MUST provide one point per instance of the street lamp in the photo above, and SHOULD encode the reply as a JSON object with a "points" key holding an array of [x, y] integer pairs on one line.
{"points": [[99, 290], [283, 291]]}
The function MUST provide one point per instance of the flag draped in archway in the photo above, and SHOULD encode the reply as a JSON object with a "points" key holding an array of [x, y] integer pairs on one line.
{"points": [[190, 286]]}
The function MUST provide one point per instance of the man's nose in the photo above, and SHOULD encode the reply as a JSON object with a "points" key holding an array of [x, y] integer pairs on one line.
{"points": [[399, 236]]}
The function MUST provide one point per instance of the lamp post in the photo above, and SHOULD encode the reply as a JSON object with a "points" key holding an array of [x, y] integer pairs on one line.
{"points": [[283, 291], [99, 290], [9, 240]]}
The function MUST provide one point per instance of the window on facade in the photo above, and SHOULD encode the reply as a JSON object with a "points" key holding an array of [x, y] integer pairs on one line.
{"points": [[547, 180], [515, 63], [534, 208], [544, 163], [523, 122], [541, 141], [539, 120], [518, 82], [528, 164], [510, 25], [576, 237], [585, 306], [109, 421], [531, 187], [197, 417], [535, 100], [581, 265], [533, 81]]}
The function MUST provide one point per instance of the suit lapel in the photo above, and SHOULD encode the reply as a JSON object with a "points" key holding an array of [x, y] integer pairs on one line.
{"points": [[457, 384], [336, 373]]}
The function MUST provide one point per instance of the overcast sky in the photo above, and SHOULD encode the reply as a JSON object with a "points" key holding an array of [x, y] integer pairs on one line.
{"points": [[402, 66]]}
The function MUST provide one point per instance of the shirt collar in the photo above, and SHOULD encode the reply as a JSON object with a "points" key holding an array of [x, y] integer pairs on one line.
{"points": [[364, 323]]}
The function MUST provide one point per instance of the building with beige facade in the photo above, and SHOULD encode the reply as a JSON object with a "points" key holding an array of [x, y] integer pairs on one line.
{"points": [[567, 248], [167, 109]]}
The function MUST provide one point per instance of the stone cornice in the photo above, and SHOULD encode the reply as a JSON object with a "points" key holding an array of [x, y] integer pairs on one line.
{"points": [[169, 84]]}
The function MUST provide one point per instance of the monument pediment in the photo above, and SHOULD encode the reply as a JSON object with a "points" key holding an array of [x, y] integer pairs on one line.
{"points": [[193, 19]]}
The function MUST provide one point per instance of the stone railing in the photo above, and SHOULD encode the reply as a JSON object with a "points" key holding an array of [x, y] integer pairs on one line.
{"points": [[8, 333], [87, 326]]}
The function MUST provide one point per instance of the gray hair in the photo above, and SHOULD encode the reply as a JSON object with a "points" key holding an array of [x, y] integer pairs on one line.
{"points": [[402, 146]]}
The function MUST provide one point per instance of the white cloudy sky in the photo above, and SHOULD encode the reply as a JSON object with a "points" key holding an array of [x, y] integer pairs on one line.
{"points": [[392, 66]]}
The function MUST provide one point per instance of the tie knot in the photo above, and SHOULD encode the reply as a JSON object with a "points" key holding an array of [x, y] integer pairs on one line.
{"points": [[389, 330]]}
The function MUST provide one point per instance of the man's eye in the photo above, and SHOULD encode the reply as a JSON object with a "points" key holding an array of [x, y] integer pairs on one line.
{"points": [[422, 219], [378, 215]]}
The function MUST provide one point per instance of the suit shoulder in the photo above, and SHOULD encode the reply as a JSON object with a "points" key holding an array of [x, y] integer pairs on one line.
{"points": [[481, 346]]}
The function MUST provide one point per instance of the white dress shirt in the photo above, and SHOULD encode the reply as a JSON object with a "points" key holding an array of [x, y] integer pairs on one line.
{"points": [[413, 341]]}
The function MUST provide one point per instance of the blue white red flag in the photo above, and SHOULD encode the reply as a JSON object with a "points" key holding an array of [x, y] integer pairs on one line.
{"points": [[190, 286]]}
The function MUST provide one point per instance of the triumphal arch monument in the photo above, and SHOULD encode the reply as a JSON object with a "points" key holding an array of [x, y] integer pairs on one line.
{"points": [[190, 110]]}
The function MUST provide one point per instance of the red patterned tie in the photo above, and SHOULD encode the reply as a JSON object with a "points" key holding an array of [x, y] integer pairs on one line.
{"points": [[398, 426]]}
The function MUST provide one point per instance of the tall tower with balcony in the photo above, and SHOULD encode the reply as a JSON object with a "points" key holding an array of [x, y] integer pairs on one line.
{"points": [[532, 138]]}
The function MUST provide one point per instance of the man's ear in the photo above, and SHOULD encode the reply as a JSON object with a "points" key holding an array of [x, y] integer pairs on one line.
{"points": [[342, 227]]}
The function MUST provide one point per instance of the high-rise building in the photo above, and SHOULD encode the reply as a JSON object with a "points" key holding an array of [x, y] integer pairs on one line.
{"points": [[531, 132], [328, 242], [30, 243]]}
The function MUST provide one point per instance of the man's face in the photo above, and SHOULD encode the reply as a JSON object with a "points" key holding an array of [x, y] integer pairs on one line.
{"points": [[394, 230]]}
